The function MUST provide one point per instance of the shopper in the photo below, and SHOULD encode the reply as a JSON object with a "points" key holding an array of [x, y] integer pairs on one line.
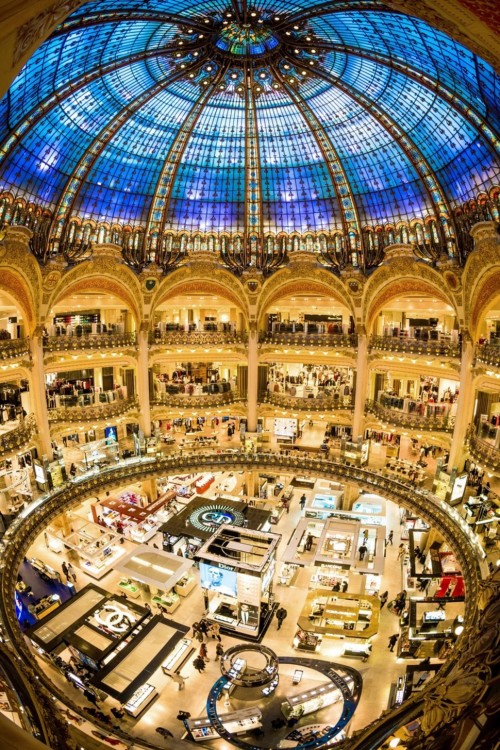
{"points": [[401, 551], [203, 652], [383, 599], [214, 631], [204, 627], [65, 569], [180, 680], [392, 641], [302, 501], [390, 538], [219, 650], [309, 542], [281, 615], [164, 732], [362, 551], [199, 664]]}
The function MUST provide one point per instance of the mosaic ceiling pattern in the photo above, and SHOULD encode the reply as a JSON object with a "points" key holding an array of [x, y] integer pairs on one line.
{"points": [[221, 116]]}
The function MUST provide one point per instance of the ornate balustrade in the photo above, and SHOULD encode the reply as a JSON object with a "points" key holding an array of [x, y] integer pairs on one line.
{"points": [[96, 411], [488, 354], [206, 400], [198, 338], [89, 341], [324, 340], [28, 525], [482, 451], [410, 421], [320, 403], [19, 436], [13, 348], [440, 348]]}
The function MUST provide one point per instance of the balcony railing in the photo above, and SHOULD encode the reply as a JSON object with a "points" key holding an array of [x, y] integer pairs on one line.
{"points": [[440, 348], [19, 436], [481, 450], [320, 403], [331, 340], [205, 400], [89, 341], [198, 338], [13, 348], [488, 354], [441, 423], [97, 411]]}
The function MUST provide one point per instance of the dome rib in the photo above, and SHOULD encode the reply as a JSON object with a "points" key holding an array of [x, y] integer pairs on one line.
{"points": [[162, 195], [336, 6], [437, 196], [50, 102], [460, 105], [253, 182], [76, 179], [345, 197], [101, 17]]}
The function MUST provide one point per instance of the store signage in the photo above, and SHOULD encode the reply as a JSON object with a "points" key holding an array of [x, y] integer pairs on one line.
{"points": [[226, 567], [458, 490]]}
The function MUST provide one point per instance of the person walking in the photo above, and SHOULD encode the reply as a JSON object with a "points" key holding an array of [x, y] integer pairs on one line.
{"points": [[219, 650], [203, 652], [383, 599], [401, 551], [390, 538], [309, 542], [302, 501], [281, 615], [214, 631], [199, 664], [179, 679], [392, 641], [65, 569], [362, 551]]}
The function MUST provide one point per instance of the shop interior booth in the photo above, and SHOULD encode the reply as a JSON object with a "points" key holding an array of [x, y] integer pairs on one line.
{"points": [[163, 576], [343, 615], [431, 627], [236, 571], [90, 547], [133, 513]]}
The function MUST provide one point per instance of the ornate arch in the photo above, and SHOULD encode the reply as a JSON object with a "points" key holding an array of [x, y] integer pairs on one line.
{"points": [[399, 278], [299, 278], [112, 278], [482, 298], [16, 286], [201, 277]]}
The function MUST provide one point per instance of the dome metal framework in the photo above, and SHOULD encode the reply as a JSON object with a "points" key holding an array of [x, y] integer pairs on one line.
{"points": [[251, 131]]}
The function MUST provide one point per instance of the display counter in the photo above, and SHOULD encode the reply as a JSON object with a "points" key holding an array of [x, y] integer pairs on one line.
{"points": [[320, 505], [186, 584], [169, 601], [45, 606], [287, 574], [305, 640], [340, 614], [237, 722], [310, 700], [333, 577], [140, 700], [178, 656], [131, 589]]}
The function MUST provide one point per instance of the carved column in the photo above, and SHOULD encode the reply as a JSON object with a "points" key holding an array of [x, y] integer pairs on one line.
{"points": [[361, 384], [37, 388], [464, 405], [253, 369], [143, 379]]}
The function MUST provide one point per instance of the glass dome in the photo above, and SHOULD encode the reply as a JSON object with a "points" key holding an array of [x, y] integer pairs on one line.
{"points": [[215, 117]]}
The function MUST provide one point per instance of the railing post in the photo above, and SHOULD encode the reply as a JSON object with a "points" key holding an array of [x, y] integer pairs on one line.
{"points": [[253, 368]]}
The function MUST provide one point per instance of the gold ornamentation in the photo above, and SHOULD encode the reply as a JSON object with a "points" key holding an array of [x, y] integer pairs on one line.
{"points": [[35, 30]]}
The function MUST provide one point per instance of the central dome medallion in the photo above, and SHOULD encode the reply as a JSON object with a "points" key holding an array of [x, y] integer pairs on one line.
{"points": [[246, 40]]}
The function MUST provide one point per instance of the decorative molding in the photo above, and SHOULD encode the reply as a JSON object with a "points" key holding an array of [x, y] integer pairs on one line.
{"points": [[32, 33]]}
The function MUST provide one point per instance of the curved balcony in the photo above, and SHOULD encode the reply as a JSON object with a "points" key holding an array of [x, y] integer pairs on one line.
{"points": [[441, 348], [204, 401], [14, 348], [198, 338], [480, 629], [320, 403], [488, 354], [443, 423], [95, 341], [19, 436], [94, 412], [323, 340], [482, 451]]}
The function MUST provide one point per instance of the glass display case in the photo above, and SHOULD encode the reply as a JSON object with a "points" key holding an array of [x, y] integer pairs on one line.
{"points": [[140, 700], [178, 656], [185, 585], [310, 701], [287, 574]]}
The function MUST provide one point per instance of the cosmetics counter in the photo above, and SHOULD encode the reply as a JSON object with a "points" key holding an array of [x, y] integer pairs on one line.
{"points": [[94, 549], [140, 700], [44, 606], [309, 701], [163, 576], [236, 722], [429, 627], [132, 514], [178, 656], [338, 614]]}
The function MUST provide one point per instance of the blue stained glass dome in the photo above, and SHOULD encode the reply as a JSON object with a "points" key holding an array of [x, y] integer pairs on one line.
{"points": [[216, 116]]}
